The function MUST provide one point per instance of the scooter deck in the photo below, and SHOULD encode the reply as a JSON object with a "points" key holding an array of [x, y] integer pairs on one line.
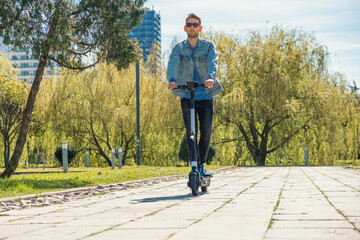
{"points": [[205, 182], [202, 181]]}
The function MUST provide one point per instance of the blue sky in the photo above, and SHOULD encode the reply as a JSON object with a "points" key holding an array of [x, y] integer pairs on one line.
{"points": [[335, 23]]}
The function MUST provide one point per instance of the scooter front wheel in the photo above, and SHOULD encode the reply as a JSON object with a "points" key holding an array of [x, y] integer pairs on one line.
{"points": [[193, 185]]}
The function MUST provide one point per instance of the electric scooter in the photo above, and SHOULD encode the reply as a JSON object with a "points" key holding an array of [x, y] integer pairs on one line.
{"points": [[195, 179]]}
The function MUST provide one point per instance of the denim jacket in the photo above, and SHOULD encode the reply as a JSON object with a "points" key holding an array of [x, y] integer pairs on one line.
{"points": [[181, 65]]}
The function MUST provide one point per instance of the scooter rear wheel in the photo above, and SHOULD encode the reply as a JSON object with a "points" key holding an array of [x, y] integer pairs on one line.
{"points": [[193, 185], [204, 189]]}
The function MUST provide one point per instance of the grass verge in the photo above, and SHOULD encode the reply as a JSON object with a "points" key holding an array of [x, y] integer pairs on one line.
{"points": [[36, 183]]}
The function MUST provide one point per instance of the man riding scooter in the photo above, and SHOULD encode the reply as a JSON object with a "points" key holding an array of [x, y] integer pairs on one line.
{"points": [[195, 59]]}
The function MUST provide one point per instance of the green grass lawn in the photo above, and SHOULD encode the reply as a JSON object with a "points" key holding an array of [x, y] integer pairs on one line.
{"points": [[25, 184]]}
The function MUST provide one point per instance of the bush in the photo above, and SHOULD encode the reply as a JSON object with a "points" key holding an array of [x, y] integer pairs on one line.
{"points": [[71, 154]]}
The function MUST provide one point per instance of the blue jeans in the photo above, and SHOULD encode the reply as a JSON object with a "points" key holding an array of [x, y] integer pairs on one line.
{"points": [[204, 112]]}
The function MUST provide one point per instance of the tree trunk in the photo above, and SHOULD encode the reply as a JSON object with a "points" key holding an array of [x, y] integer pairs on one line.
{"points": [[99, 148], [6, 151], [107, 159], [259, 157], [260, 154], [26, 119], [262, 158]]}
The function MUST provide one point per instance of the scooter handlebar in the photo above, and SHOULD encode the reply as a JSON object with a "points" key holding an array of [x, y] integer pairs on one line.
{"points": [[186, 87]]}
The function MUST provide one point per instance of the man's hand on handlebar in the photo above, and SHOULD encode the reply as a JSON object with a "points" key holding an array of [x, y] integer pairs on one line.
{"points": [[209, 83], [172, 85]]}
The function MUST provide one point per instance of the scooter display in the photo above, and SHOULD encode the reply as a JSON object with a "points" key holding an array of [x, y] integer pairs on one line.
{"points": [[196, 181]]}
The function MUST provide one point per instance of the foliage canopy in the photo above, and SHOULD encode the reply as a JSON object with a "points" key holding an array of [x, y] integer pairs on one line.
{"points": [[74, 34]]}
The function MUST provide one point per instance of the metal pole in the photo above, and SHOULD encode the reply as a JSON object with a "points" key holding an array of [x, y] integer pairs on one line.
{"points": [[138, 112], [120, 157], [306, 156], [112, 158], [65, 156], [86, 158]]}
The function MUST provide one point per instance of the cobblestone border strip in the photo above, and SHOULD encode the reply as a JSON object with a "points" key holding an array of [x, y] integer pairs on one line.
{"points": [[58, 197]]}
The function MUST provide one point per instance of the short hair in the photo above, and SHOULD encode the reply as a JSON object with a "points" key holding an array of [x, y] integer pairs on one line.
{"points": [[193, 15]]}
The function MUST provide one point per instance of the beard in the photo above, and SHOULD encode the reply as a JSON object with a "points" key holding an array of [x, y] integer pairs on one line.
{"points": [[193, 35]]}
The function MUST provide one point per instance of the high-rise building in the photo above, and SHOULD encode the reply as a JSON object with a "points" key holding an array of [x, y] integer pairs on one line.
{"points": [[25, 63], [148, 33], [3, 49]]}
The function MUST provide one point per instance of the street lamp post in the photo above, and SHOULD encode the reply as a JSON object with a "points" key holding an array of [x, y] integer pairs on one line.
{"points": [[138, 113]]}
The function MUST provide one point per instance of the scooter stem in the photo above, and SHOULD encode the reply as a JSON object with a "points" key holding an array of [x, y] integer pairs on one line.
{"points": [[194, 164]]}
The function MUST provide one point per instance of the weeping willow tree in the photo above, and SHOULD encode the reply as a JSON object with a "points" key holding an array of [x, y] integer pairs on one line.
{"points": [[276, 85], [96, 110], [333, 135]]}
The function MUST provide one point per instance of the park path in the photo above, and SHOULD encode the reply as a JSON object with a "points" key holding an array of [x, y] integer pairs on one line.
{"points": [[242, 203]]}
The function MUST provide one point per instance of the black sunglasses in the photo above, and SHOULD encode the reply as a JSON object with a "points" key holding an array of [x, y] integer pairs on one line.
{"points": [[195, 25]]}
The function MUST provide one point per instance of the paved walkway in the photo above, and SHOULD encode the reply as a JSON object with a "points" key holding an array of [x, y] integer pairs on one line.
{"points": [[243, 203]]}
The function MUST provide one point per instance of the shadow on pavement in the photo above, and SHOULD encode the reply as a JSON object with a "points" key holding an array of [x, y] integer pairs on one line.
{"points": [[158, 199]]}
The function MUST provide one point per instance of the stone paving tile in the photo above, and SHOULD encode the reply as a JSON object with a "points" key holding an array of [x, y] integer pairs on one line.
{"points": [[356, 221], [313, 234], [136, 234], [55, 232], [49, 219], [11, 231], [227, 229], [312, 224], [242, 203], [315, 215]]}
